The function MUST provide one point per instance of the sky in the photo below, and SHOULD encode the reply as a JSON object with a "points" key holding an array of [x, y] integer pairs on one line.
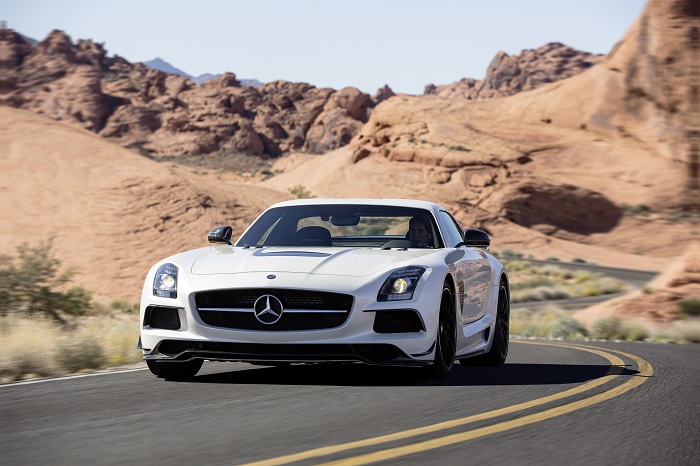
{"points": [[366, 44]]}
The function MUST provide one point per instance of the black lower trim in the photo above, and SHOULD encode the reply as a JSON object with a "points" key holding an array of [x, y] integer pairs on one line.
{"points": [[369, 353]]}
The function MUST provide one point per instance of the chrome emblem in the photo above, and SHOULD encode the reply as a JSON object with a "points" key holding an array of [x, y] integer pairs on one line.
{"points": [[268, 309]]}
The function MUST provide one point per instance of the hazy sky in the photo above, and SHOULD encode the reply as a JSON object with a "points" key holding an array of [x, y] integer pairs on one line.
{"points": [[329, 43]]}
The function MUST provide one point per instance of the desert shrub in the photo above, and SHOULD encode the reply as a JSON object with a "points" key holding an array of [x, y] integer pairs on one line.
{"points": [[689, 307], [609, 285], [569, 329], [540, 293], [639, 209], [580, 276], [532, 283], [536, 329], [518, 266], [88, 354], [635, 331], [300, 192], [511, 253], [608, 328], [124, 306], [578, 260], [33, 284], [689, 330], [553, 258], [549, 270], [666, 336]]}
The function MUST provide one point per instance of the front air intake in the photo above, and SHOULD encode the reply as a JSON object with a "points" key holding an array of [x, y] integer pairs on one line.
{"points": [[397, 321], [167, 318]]}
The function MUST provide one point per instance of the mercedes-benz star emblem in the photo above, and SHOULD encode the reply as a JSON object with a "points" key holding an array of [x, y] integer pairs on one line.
{"points": [[268, 309]]}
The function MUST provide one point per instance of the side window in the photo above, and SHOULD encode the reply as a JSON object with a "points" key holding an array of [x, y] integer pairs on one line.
{"points": [[452, 229]]}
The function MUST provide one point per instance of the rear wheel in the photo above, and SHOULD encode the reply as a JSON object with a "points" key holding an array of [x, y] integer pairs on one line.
{"points": [[499, 347], [175, 370], [446, 337]]}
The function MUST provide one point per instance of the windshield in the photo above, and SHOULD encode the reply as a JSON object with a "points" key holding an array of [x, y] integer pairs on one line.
{"points": [[344, 226]]}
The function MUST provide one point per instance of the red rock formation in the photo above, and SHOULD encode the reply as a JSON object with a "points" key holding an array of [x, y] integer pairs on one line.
{"points": [[508, 75], [168, 115]]}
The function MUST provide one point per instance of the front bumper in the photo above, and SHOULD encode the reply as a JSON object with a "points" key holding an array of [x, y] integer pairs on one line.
{"points": [[368, 353], [353, 341]]}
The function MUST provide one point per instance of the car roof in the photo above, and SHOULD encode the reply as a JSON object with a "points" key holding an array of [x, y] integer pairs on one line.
{"points": [[363, 201]]}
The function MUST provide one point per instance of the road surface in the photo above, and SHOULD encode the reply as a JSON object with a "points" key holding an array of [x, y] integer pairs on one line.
{"points": [[552, 403]]}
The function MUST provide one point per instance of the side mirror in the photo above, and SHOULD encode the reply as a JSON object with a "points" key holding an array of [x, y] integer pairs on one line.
{"points": [[221, 235], [476, 238]]}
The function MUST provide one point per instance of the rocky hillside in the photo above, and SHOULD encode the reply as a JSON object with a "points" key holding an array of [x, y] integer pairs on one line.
{"points": [[163, 114], [508, 75], [167, 114], [605, 158], [111, 212]]}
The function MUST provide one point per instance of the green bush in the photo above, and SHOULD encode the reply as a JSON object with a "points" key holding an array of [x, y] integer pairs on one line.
{"points": [[689, 307], [32, 284]]}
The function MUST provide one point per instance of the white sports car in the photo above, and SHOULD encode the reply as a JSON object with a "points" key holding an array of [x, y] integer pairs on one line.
{"points": [[382, 282]]}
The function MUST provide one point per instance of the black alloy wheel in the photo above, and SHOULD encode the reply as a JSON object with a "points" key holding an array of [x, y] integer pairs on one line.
{"points": [[499, 347], [175, 370], [446, 337]]}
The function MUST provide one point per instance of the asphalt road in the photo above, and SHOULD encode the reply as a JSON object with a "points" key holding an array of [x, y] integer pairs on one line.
{"points": [[549, 404]]}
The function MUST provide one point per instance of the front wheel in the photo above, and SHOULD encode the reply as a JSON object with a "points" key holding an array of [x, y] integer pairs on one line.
{"points": [[175, 370], [499, 347], [446, 337]]}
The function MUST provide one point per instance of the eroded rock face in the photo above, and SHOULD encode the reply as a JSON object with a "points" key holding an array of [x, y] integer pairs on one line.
{"points": [[560, 207], [169, 115], [55, 78], [342, 117], [508, 75]]}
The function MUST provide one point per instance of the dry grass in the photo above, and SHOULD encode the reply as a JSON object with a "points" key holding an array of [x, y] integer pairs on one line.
{"points": [[36, 347], [551, 322], [549, 282]]}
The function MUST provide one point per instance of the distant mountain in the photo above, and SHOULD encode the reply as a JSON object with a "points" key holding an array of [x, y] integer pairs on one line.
{"points": [[162, 65]]}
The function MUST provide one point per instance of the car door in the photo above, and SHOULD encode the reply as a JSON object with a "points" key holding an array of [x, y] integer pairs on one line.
{"points": [[472, 271]]}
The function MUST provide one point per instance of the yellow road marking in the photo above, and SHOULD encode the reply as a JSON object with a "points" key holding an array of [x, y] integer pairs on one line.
{"points": [[615, 362], [645, 370]]}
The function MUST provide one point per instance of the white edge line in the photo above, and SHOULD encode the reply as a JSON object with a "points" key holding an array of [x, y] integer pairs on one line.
{"points": [[28, 382]]}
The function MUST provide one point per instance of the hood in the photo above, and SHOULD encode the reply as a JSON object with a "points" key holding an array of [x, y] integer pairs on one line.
{"points": [[322, 261]]}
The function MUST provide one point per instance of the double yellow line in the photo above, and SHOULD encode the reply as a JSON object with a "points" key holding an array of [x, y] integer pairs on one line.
{"points": [[644, 368]]}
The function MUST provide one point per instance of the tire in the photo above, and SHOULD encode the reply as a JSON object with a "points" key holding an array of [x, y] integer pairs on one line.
{"points": [[499, 347], [175, 370], [446, 338]]}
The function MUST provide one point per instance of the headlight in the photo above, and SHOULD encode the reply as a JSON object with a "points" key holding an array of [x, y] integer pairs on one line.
{"points": [[165, 281], [401, 284]]}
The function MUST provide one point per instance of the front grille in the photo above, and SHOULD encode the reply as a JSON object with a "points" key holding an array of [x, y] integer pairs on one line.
{"points": [[311, 309]]}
